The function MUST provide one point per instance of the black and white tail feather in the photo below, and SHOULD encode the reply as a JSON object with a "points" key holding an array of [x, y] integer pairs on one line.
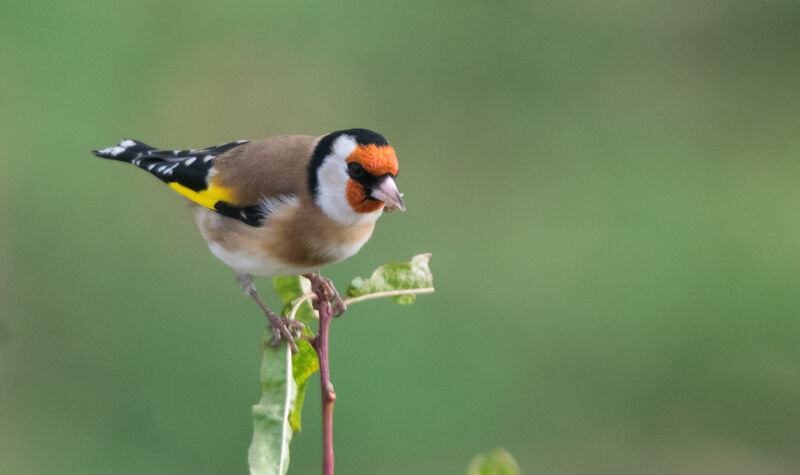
{"points": [[189, 168]]}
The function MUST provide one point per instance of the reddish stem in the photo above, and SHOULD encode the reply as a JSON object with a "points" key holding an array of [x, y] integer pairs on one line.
{"points": [[328, 396]]}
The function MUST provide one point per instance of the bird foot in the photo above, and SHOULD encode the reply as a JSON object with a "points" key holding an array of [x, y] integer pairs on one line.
{"points": [[283, 328], [325, 291]]}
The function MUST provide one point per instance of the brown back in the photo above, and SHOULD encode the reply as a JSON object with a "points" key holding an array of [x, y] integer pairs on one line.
{"points": [[267, 168]]}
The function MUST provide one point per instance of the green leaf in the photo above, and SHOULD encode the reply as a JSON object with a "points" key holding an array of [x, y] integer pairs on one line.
{"points": [[277, 415], [269, 450], [289, 289], [497, 462], [412, 275], [305, 362]]}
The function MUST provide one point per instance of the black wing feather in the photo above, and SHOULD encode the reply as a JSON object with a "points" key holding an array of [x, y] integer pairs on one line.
{"points": [[187, 167]]}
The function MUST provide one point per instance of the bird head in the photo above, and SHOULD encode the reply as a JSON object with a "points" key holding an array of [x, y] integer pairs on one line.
{"points": [[352, 176]]}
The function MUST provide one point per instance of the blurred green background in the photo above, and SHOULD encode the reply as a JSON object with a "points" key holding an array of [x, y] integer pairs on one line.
{"points": [[609, 189]]}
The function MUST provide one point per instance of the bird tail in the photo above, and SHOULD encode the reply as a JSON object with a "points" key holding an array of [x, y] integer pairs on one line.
{"points": [[126, 151], [187, 168], [141, 155]]}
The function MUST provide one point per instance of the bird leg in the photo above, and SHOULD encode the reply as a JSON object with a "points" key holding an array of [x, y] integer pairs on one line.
{"points": [[325, 290], [281, 327]]}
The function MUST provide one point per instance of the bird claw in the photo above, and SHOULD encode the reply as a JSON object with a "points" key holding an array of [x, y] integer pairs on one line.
{"points": [[282, 328], [338, 306], [325, 291]]}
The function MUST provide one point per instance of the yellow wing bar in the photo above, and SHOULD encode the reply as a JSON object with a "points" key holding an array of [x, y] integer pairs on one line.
{"points": [[208, 197]]}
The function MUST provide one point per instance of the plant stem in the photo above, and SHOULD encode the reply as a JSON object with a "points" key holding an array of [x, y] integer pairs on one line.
{"points": [[328, 395], [320, 344], [388, 293], [296, 303]]}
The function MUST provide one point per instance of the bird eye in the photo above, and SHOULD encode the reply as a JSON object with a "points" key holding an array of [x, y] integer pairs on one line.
{"points": [[355, 169]]}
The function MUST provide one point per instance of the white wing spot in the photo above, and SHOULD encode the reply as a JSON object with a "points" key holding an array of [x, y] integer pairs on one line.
{"points": [[189, 161], [127, 143], [169, 171], [113, 151], [208, 158]]}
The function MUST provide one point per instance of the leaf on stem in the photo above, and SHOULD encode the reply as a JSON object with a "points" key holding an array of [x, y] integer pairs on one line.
{"points": [[412, 275], [290, 289], [277, 415], [305, 362], [269, 450]]}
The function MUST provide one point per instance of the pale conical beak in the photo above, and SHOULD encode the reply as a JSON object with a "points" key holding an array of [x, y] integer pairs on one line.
{"points": [[387, 192]]}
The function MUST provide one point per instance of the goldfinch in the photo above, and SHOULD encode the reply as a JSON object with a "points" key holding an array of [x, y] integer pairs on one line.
{"points": [[284, 205]]}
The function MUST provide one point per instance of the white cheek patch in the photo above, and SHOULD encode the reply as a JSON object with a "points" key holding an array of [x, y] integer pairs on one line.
{"points": [[332, 185], [332, 189]]}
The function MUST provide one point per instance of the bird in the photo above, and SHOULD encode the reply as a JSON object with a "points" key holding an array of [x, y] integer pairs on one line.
{"points": [[283, 205]]}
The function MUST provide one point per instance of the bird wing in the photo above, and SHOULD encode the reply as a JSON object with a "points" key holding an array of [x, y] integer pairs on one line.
{"points": [[241, 180], [190, 173]]}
